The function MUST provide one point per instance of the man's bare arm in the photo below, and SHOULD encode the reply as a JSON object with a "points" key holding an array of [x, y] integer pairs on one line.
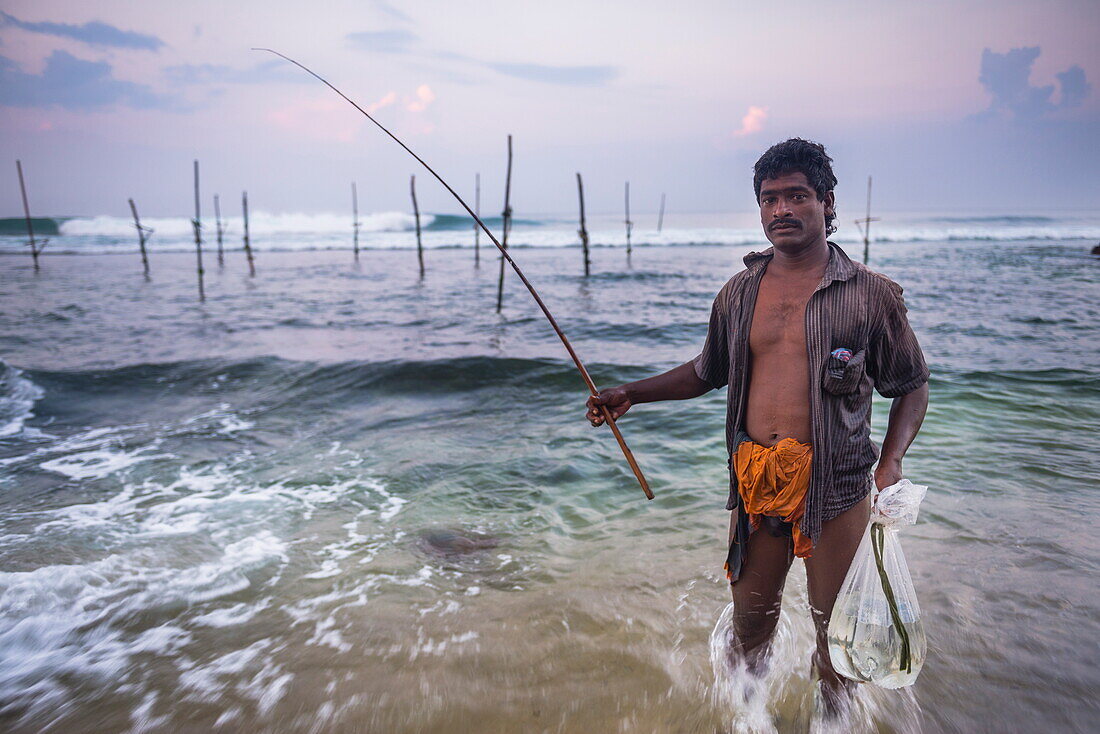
{"points": [[906, 416], [679, 383]]}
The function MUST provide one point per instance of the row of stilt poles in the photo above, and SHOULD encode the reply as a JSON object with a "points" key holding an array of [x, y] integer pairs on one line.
{"points": [[196, 224], [144, 232]]}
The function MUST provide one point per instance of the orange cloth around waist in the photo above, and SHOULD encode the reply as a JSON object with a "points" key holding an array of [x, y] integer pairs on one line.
{"points": [[773, 481]]}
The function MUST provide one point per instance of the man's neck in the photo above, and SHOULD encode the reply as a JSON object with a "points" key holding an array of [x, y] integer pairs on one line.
{"points": [[808, 261]]}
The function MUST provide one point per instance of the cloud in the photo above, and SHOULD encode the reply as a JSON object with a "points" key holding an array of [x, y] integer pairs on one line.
{"points": [[587, 76], [753, 121], [388, 42], [385, 101], [406, 42], [424, 97], [391, 11], [74, 84], [323, 118], [94, 33], [1007, 78], [1074, 86], [275, 70]]}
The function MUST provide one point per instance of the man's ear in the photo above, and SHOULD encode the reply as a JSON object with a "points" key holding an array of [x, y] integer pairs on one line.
{"points": [[830, 203]]}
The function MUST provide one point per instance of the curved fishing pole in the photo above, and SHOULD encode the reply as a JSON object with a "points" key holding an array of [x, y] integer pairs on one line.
{"points": [[504, 253]]}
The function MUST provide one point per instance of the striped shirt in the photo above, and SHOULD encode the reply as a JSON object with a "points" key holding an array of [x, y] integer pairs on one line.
{"points": [[857, 337]]}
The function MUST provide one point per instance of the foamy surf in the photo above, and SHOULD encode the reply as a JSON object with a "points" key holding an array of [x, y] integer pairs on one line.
{"points": [[17, 398], [177, 561], [260, 224], [385, 230]]}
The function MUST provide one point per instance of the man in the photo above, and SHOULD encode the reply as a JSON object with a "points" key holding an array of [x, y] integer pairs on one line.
{"points": [[800, 337]]}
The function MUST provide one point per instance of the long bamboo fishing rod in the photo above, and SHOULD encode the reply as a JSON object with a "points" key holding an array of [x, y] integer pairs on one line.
{"points": [[477, 232], [534, 294]]}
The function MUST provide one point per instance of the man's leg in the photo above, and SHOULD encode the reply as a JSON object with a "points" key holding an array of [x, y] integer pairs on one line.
{"points": [[825, 572], [757, 594]]}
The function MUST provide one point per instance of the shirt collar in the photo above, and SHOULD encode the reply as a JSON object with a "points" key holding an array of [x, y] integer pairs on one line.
{"points": [[839, 267]]}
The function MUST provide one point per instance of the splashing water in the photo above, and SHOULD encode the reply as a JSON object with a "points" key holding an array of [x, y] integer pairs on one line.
{"points": [[783, 696]]}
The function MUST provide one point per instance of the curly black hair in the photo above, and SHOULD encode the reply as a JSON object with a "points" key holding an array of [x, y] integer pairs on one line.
{"points": [[798, 156]]}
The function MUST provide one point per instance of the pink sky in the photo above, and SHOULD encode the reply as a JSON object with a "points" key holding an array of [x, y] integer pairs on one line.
{"points": [[678, 98]]}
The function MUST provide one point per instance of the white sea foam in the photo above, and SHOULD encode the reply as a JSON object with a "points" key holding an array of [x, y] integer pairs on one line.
{"points": [[99, 463], [443, 606], [233, 424], [74, 620], [17, 397], [142, 718], [260, 224], [249, 673], [432, 646], [388, 230], [221, 419], [392, 504], [95, 438], [170, 559], [231, 616]]}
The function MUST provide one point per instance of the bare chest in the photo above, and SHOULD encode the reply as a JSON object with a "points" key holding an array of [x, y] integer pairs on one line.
{"points": [[779, 318]]}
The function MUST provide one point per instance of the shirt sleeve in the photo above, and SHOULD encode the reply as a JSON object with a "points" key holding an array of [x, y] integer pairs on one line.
{"points": [[712, 364], [894, 360]]}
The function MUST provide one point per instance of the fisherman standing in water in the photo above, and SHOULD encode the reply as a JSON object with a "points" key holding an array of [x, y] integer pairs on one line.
{"points": [[800, 337]]}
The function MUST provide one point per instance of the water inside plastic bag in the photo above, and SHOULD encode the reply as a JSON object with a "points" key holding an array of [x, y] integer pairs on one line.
{"points": [[865, 643]]}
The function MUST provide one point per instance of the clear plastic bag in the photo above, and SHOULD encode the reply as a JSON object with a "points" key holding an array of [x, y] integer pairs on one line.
{"points": [[875, 631]]}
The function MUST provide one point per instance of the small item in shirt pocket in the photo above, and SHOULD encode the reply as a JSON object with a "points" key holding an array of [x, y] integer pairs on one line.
{"points": [[843, 371]]}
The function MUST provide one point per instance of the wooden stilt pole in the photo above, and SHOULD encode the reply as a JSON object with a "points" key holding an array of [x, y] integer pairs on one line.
{"points": [[661, 215], [583, 231], [247, 239], [629, 224], [27, 214], [867, 231], [141, 238], [864, 225], [355, 224], [506, 225], [196, 223], [416, 214], [477, 210], [220, 225]]}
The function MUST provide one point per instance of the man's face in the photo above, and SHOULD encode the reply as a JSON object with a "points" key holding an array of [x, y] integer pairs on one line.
{"points": [[792, 215]]}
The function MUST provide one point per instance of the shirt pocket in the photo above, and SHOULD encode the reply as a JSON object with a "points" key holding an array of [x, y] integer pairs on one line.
{"points": [[843, 377]]}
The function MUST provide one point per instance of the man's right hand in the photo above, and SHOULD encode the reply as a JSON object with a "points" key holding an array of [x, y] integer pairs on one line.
{"points": [[679, 383], [615, 398]]}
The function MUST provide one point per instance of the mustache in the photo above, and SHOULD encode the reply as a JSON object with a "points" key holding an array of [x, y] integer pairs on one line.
{"points": [[789, 222]]}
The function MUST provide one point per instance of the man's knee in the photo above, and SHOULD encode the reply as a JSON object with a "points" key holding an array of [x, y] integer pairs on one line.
{"points": [[754, 624], [755, 635]]}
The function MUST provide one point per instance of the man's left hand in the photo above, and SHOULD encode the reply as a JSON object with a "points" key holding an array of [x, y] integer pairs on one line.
{"points": [[887, 472]]}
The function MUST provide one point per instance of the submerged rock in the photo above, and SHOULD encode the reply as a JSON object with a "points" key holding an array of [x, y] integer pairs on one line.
{"points": [[447, 542]]}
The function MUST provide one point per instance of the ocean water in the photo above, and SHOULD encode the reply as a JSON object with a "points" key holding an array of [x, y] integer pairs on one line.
{"points": [[337, 497]]}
